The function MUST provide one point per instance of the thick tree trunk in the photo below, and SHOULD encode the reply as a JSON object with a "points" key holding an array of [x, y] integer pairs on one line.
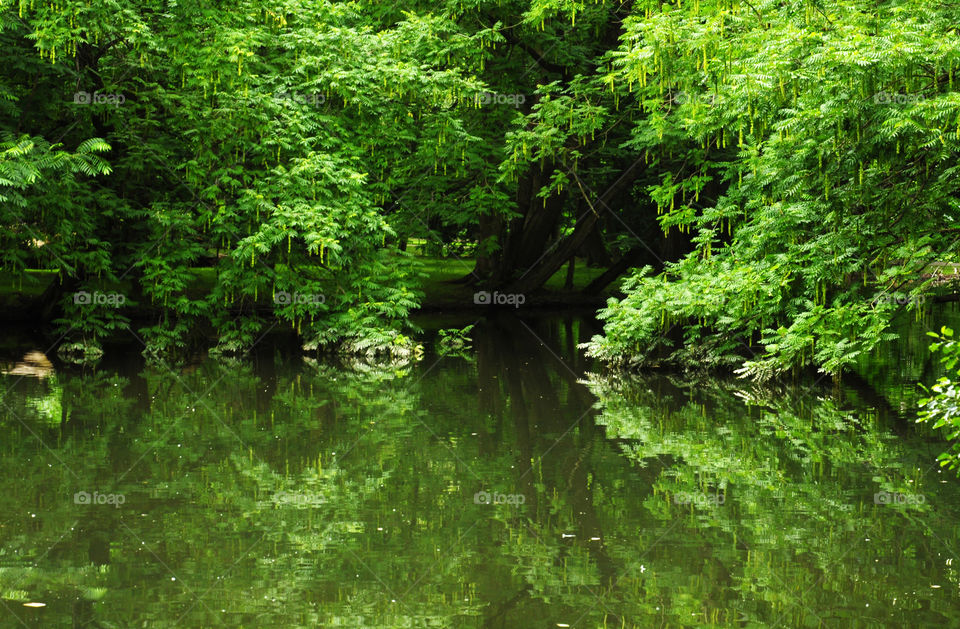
{"points": [[524, 238], [529, 234], [539, 230], [550, 263]]}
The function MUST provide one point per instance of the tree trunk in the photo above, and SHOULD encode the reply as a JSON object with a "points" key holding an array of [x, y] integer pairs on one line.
{"points": [[550, 263]]}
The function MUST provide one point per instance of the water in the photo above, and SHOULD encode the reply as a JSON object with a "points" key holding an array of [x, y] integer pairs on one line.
{"points": [[512, 486]]}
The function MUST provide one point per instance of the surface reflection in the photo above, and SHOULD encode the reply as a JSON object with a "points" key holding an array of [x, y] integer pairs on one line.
{"points": [[512, 486]]}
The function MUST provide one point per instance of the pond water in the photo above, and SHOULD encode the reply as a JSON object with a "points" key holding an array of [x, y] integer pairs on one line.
{"points": [[514, 485]]}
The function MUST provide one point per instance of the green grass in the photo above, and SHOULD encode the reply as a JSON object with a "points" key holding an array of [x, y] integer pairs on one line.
{"points": [[441, 271]]}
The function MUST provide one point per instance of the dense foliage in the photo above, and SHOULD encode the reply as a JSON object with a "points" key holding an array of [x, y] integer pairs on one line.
{"points": [[252, 138], [835, 128], [942, 406], [781, 177]]}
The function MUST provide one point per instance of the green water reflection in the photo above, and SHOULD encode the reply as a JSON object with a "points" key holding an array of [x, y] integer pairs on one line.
{"points": [[279, 492]]}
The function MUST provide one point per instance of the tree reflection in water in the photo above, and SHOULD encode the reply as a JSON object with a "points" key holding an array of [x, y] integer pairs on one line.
{"points": [[278, 491]]}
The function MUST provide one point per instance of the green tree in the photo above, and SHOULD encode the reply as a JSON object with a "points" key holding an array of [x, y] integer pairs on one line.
{"points": [[255, 139], [942, 405], [834, 128]]}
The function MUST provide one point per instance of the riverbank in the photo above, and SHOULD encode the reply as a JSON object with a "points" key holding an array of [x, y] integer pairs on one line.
{"points": [[24, 296]]}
